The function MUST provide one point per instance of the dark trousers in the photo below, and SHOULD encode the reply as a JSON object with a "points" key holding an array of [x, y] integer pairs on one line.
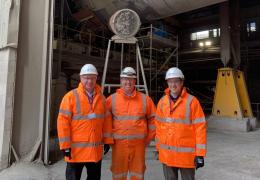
{"points": [[74, 170], [171, 173]]}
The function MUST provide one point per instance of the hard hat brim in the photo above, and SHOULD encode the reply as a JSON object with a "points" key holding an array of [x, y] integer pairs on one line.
{"points": [[166, 78], [88, 73], [126, 76]]}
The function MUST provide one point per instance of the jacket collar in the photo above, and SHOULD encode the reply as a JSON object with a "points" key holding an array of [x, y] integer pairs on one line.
{"points": [[121, 91], [183, 92], [97, 89]]}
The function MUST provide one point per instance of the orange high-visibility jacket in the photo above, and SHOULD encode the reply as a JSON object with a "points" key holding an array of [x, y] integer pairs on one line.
{"points": [[180, 130], [133, 116], [84, 127]]}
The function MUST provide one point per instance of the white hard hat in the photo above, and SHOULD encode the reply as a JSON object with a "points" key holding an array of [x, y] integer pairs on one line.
{"points": [[128, 72], [174, 72], [88, 69]]}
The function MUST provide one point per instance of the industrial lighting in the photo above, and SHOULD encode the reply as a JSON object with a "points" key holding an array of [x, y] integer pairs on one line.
{"points": [[201, 44], [208, 43]]}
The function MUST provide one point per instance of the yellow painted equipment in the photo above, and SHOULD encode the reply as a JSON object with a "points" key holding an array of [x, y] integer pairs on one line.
{"points": [[231, 96]]}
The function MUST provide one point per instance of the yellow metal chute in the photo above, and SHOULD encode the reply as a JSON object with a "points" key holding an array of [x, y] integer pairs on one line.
{"points": [[231, 107], [231, 96]]}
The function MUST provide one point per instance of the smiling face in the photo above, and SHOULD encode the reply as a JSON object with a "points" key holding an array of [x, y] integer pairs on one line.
{"points": [[128, 84], [88, 81], [175, 85]]}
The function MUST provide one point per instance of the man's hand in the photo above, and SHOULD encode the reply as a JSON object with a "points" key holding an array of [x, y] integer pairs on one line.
{"points": [[199, 161], [67, 153], [106, 148]]}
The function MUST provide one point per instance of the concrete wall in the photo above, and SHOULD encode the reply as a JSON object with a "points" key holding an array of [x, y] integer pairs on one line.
{"points": [[9, 23], [32, 72], [7, 77]]}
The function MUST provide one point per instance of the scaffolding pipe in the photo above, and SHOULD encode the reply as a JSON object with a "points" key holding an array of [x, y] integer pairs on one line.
{"points": [[105, 67], [151, 54], [137, 67], [122, 56], [142, 68], [177, 55], [165, 62]]}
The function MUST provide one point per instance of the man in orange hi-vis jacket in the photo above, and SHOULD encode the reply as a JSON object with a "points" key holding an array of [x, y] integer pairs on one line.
{"points": [[180, 129], [84, 125], [133, 127]]}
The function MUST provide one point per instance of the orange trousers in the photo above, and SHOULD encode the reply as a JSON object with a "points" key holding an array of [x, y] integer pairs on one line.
{"points": [[128, 156]]}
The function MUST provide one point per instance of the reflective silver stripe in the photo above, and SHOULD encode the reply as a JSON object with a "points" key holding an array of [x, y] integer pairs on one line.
{"points": [[88, 117], [138, 175], [199, 120], [201, 146], [107, 135], [77, 101], [144, 103], [151, 127], [173, 120], [65, 112], [86, 144], [158, 118], [113, 97], [64, 139], [119, 176], [177, 149], [188, 107], [128, 117], [134, 136], [151, 116]]}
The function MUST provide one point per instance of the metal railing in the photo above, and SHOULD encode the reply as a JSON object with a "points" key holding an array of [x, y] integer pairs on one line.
{"points": [[85, 39], [148, 32]]}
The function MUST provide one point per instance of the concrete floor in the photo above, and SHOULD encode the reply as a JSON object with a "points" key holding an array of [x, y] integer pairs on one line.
{"points": [[231, 156]]}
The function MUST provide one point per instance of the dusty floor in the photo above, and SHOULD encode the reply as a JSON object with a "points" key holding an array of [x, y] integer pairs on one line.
{"points": [[231, 156]]}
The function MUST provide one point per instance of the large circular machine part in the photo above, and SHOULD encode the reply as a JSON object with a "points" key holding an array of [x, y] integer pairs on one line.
{"points": [[125, 23]]}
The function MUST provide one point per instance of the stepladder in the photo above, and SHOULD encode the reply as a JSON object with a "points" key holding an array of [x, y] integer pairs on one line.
{"points": [[139, 64]]}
